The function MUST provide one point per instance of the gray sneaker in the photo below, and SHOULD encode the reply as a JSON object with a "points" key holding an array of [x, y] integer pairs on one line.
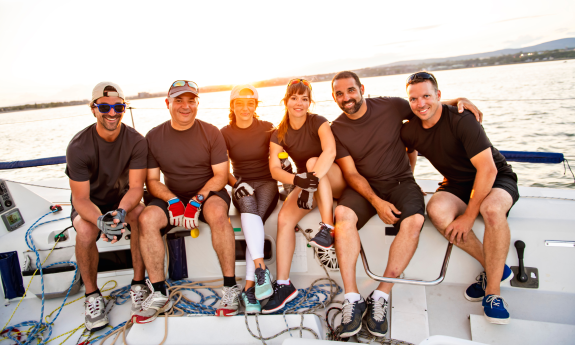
{"points": [[154, 305], [95, 310], [139, 293], [377, 316]]}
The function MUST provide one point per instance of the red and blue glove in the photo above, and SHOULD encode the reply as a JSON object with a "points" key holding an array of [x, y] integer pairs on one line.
{"points": [[192, 215], [176, 210]]}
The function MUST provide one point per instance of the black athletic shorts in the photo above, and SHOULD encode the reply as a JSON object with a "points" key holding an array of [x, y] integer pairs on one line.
{"points": [[507, 182], [104, 209], [405, 195], [223, 193]]}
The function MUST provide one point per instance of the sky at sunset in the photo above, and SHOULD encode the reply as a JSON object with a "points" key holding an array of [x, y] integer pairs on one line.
{"points": [[58, 50]]}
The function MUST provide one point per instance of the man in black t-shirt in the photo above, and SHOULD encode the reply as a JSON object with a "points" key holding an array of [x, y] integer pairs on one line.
{"points": [[477, 179], [380, 181], [193, 157], [106, 164]]}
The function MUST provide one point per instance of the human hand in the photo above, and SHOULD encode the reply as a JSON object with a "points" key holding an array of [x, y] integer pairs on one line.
{"points": [[306, 181], [112, 225], [176, 210], [305, 200], [464, 103], [458, 229], [422, 192], [385, 211], [242, 189], [192, 214]]}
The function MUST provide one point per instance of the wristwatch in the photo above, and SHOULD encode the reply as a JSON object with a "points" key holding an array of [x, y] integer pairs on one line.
{"points": [[198, 201], [200, 198]]}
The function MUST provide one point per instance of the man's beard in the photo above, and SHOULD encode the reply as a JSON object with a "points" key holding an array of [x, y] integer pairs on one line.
{"points": [[109, 126], [353, 110]]}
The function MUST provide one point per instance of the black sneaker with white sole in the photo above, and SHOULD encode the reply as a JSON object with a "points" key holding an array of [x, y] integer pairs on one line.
{"points": [[282, 295], [377, 316], [323, 238], [352, 314]]}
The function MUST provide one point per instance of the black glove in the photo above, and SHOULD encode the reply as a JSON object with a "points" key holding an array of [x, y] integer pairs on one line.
{"points": [[306, 181], [106, 221], [305, 200], [242, 189]]}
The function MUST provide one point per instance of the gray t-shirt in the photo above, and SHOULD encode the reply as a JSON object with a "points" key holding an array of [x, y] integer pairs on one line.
{"points": [[304, 143], [105, 164], [186, 157], [249, 149], [373, 141]]}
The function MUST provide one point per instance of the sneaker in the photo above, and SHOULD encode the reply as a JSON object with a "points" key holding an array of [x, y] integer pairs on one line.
{"points": [[138, 292], [281, 296], [155, 304], [263, 284], [476, 291], [352, 314], [377, 316], [251, 304], [323, 238], [230, 302], [494, 309], [95, 310]]}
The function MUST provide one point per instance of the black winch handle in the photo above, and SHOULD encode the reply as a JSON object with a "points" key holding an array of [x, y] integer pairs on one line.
{"points": [[520, 246]]}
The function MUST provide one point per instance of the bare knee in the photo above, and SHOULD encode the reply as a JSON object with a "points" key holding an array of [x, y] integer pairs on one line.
{"points": [[439, 216], [132, 216], [493, 214], [345, 218], [311, 163], [216, 214], [285, 221], [412, 225], [86, 232], [151, 219]]}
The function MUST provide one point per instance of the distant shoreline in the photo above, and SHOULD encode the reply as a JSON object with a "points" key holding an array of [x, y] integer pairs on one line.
{"points": [[378, 71]]}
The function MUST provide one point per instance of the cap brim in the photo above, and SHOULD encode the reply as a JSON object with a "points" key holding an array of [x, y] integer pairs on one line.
{"points": [[179, 93]]}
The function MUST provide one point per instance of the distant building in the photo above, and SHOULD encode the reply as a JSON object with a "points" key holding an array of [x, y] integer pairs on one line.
{"points": [[144, 95]]}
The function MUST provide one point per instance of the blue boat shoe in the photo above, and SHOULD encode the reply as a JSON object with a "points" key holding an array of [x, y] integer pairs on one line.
{"points": [[352, 316], [251, 304], [264, 287], [494, 309], [476, 291]]}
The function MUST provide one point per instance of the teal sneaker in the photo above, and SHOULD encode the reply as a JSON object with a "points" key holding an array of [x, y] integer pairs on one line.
{"points": [[251, 304], [494, 309], [263, 284]]}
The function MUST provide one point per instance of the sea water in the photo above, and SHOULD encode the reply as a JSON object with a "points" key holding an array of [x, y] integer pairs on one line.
{"points": [[526, 107]]}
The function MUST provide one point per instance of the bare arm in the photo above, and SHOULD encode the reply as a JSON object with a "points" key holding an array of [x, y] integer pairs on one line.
{"points": [[275, 165], [134, 195], [156, 187], [464, 103], [360, 184], [412, 160], [218, 181], [231, 178], [486, 174], [82, 203], [327, 156]]}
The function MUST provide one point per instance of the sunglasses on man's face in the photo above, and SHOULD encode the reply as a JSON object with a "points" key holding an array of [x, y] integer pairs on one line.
{"points": [[299, 80], [104, 108]]}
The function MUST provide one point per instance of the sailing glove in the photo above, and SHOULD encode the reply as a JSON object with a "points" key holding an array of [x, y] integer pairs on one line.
{"points": [[192, 215], [109, 227], [306, 181], [176, 210], [305, 200], [242, 189]]}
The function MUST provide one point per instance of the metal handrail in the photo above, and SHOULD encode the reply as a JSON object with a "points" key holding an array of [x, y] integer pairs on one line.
{"points": [[408, 281]]}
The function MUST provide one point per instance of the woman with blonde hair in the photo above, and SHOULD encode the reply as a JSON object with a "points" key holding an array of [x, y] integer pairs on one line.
{"points": [[308, 140], [255, 192]]}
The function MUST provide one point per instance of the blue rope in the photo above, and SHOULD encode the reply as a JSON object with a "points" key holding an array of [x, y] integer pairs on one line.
{"points": [[40, 327]]}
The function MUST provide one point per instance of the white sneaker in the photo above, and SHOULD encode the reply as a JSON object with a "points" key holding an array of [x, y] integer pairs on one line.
{"points": [[154, 305], [138, 292], [230, 302], [95, 310]]}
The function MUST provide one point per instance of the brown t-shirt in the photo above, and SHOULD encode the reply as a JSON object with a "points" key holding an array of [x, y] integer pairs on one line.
{"points": [[186, 157], [249, 149], [373, 141], [105, 164], [451, 143], [304, 143]]}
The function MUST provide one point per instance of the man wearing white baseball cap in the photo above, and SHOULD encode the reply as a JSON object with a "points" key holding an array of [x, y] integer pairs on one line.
{"points": [[106, 164], [192, 156]]}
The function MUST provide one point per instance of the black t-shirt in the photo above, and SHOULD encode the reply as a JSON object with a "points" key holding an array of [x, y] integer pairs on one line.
{"points": [[304, 143], [373, 140], [186, 157], [249, 149], [105, 164], [451, 143]]}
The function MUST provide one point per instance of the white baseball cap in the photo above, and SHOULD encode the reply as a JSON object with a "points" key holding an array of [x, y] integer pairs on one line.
{"points": [[107, 89], [238, 88]]}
